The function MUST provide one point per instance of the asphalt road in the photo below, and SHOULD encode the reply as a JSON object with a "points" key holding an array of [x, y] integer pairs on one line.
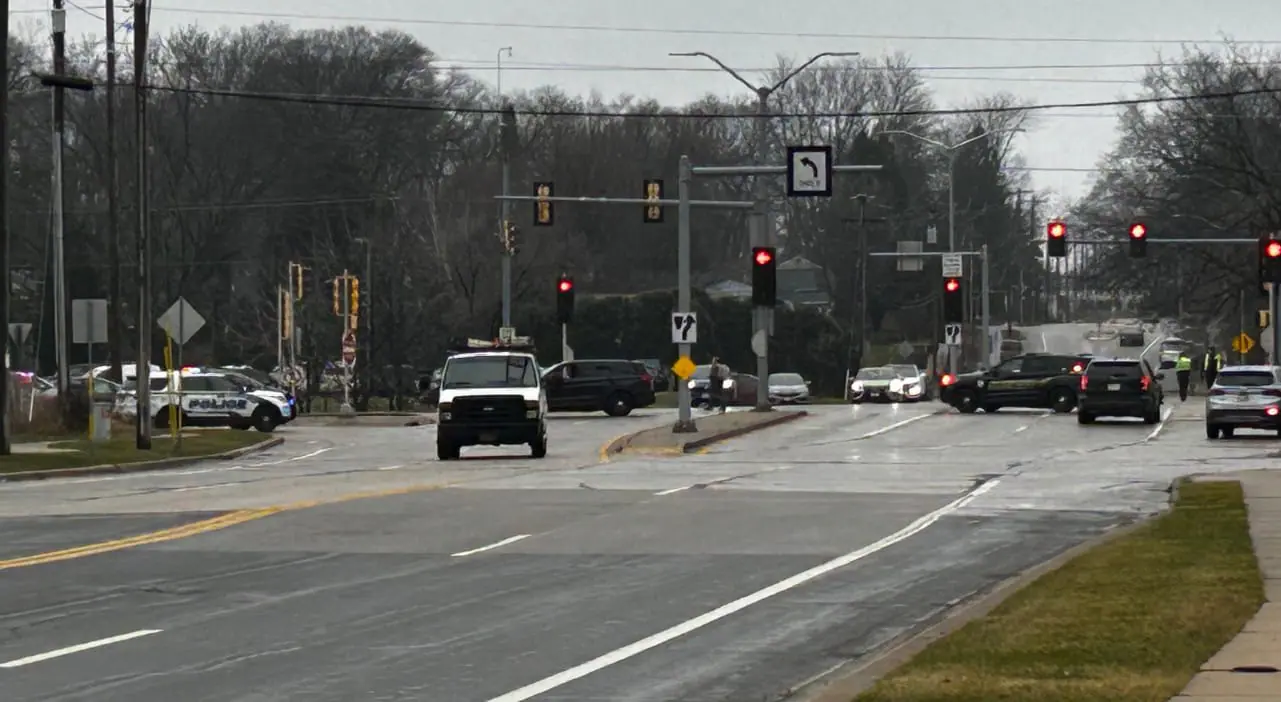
{"points": [[727, 576]]}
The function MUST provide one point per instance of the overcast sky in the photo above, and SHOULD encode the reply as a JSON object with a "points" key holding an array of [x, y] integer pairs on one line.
{"points": [[572, 50]]}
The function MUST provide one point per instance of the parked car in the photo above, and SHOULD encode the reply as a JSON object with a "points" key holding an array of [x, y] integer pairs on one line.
{"points": [[916, 382], [788, 388], [1131, 336], [740, 388], [614, 387], [873, 384], [662, 375]]}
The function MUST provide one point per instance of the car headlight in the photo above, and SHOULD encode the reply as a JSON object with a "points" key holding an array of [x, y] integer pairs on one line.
{"points": [[531, 414], [856, 386], [913, 388], [445, 414], [896, 386], [692, 385], [727, 384]]}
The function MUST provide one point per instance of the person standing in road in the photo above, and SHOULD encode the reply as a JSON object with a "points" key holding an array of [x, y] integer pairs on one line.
{"points": [[716, 385], [1183, 370], [1210, 366]]}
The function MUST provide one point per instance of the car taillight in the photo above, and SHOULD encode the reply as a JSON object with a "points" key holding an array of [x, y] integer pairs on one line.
{"points": [[1218, 391], [1272, 392], [1084, 382], [1145, 383], [947, 379], [647, 378], [1272, 411]]}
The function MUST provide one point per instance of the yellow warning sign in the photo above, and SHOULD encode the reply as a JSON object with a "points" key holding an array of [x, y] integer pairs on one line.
{"points": [[1242, 343], [683, 367]]}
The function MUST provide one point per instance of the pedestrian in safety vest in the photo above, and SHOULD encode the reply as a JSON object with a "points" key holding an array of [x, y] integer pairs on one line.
{"points": [[1210, 367], [1183, 370]]}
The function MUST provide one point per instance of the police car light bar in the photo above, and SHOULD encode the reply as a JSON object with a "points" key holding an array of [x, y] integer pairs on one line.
{"points": [[519, 343]]}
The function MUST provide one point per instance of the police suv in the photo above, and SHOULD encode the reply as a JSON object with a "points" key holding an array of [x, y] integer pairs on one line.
{"points": [[210, 399], [491, 394]]}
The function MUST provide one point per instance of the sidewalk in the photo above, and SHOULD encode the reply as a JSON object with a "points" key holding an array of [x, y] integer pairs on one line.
{"points": [[1249, 666]]}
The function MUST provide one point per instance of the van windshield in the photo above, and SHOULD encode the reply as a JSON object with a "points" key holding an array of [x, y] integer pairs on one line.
{"points": [[490, 372]]}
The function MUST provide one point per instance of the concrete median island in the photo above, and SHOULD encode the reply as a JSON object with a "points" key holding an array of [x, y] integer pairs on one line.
{"points": [[1133, 618], [711, 429]]}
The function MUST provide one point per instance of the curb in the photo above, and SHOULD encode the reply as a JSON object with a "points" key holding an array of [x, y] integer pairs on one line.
{"points": [[845, 682], [140, 466], [619, 444], [356, 415]]}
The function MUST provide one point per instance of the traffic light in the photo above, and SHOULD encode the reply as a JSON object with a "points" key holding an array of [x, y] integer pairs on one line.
{"points": [[544, 212], [653, 192], [354, 310], [508, 237], [564, 299], [953, 301], [764, 282], [286, 314], [298, 281], [1138, 240], [1056, 239], [1270, 260], [338, 286]]}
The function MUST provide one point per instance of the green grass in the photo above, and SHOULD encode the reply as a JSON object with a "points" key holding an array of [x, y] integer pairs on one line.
{"points": [[121, 449], [1132, 620]]}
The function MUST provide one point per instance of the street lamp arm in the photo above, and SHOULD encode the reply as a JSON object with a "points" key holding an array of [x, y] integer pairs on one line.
{"points": [[985, 135], [718, 62], [813, 59], [914, 135]]}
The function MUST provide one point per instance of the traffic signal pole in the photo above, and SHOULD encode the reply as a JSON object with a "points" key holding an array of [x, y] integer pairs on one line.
{"points": [[985, 291], [684, 303]]}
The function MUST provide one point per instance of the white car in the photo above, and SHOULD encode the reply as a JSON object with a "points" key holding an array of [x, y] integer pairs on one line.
{"points": [[915, 385], [788, 388], [1244, 397]]}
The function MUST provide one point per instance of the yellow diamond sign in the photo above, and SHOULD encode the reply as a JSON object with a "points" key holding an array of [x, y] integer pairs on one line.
{"points": [[1242, 343], [683, 367]]}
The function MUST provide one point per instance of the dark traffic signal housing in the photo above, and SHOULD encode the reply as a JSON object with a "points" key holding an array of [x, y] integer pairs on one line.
{"points": [[953, 301], [1056, 239], [764, 280], [1270, 259], [1138, 240], [564, 299]]}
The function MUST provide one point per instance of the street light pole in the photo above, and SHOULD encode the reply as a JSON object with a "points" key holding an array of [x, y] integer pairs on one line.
{"points": [[506, 138], [5, 446], [761, 227]]}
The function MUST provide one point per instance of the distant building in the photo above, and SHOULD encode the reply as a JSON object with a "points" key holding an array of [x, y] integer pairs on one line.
{"points": [[803, 283]]}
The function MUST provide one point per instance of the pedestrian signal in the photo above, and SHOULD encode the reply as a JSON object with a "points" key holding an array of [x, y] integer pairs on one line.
{"points": [[653, 193], [544, 212]]}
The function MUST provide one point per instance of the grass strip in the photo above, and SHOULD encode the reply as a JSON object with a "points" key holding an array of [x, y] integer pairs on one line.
{"points": [[122, 449], [1132, 620]]}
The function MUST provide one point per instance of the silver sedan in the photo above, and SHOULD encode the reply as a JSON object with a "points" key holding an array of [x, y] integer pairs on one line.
{"points": [[1244, 397]]}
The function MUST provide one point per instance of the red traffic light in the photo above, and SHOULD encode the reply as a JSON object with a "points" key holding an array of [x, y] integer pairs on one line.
{"points": [[1056, 230], [1138, 231], [1273, 249], [763, 257], [952, 285], [565, 285]]}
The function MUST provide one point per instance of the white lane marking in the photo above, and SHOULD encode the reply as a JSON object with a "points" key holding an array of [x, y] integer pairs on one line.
{"points": [[78, 648], [673, 491], [1045, 343], [1165, 415], [1022, 428], [305, 456], [617, 656], [895, 425], [395, 467], [497, 544]]}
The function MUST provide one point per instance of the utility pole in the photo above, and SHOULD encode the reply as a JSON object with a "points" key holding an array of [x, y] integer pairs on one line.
{"points": [[59, 256], [116, 342], [144, 255], [507, 143], [5, 447]]}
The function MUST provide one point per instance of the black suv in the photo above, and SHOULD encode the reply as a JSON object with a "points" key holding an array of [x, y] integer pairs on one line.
{"points": [[1037, 380], [1120, 387], [612, 387]]}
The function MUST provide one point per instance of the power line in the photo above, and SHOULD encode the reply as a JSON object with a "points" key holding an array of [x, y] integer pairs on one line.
{"points": [[697, 32], [417, 105], [846, 66]]}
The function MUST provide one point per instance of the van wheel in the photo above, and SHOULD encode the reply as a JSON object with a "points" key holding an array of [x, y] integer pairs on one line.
{"points": [[446, 451], [538, 447], [1063, 401], [264, 420], [618, 405]]}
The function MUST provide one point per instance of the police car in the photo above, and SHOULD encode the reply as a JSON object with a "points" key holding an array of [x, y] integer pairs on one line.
{"points": [[210, 399]]}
